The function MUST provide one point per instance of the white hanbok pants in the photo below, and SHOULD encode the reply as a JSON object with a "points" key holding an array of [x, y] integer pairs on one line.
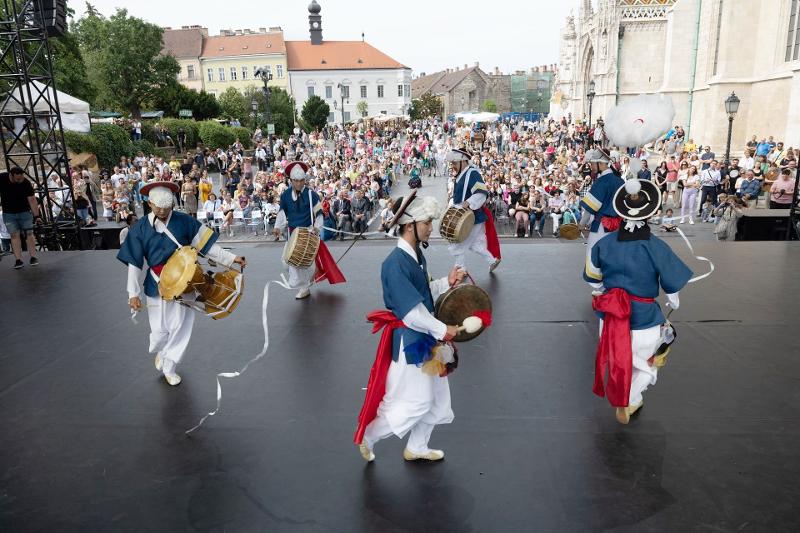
{"points": [[475, 241], [414, 403], [644, 343], [170, 330], [594, 236]]}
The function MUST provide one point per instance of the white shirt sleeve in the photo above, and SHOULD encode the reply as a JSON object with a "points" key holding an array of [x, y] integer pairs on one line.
{"points": [[439, 287], [134, 281], [673, 300], [420, 319], [280, 221], [319, 220], [477, 200], [220, 255]]}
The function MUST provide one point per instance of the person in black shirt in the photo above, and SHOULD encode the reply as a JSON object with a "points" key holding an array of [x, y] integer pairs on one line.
{"points": [[20, 211]]}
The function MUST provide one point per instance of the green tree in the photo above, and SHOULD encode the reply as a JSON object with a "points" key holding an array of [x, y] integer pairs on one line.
{"points": [[426, 106], [282, 108], [362, 107], [233, 104], [123, 55], [490, 106], [69, 68], [315, 112], [176, 97]]}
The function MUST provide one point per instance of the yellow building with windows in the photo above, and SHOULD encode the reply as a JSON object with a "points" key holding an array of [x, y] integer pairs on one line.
{"points": [[231, 59]]}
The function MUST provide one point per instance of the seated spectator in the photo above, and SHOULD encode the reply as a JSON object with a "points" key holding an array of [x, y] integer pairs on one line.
{"points": [[750, 187], [537, 213], [667, 221], [555, 205], [522, 214]]}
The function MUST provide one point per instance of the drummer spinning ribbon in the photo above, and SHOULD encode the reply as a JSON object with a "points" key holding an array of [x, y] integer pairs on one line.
{"points": [[154, 239]]}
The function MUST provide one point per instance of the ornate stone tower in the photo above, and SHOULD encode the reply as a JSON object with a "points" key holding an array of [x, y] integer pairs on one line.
{"points": [[315, 22]]}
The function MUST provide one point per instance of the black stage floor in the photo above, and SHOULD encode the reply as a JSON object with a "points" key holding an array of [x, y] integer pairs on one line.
{"points": [[93, 440]]}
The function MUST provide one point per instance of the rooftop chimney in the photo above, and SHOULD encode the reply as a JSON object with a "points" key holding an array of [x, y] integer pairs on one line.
{"points": [[315, 22], [275, 28]]}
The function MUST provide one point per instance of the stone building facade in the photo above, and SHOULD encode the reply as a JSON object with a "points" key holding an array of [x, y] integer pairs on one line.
{"points": [[697, 52], [465, 89]]}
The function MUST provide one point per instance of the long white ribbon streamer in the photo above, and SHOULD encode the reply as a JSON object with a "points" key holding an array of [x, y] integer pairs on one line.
{"points": [[230, 375], [698, 257]]}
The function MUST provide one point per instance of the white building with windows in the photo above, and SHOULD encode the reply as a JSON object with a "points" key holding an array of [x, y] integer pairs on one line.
{"points": [[697, 52], [345, 73]]}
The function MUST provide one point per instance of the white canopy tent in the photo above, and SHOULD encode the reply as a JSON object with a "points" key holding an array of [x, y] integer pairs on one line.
{"points": [[74, 112], [470, 117]]}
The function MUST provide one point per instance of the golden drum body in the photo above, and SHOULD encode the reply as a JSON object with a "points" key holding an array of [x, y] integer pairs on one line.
{"points": [[301, 249], [457, 223]]}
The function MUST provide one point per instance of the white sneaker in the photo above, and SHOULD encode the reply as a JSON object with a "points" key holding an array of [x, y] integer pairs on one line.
{"points": [[303, 294], [691, 221], [431, 455], [683, 221]]}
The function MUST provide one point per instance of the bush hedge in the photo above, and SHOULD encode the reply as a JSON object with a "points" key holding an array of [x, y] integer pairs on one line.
{"points": [[109, 142]]}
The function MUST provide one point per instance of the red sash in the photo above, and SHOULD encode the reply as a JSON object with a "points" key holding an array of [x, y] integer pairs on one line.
{"points": [[492, 242], [376, 387], [614, 349]]}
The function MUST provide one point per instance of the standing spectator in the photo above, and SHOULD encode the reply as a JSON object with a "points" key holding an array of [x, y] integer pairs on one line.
{"points": [[709, 181], [644, 173], [136, 128], [691, 185], [20, 211], [706, 158], [130, 220], [672, 180]]}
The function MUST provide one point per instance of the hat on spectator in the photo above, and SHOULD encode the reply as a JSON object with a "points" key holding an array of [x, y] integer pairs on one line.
{"points": [[296, 170], [458, 154], [637, 199]]}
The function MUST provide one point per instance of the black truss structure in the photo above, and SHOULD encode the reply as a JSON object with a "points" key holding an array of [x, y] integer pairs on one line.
{"points": [[30, 122]]}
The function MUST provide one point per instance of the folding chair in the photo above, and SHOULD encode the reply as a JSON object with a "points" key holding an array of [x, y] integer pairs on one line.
{"points": [[256, 220]]}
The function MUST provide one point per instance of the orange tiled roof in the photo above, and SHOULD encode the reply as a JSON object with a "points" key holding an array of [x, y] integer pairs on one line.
{"points": [[336, 55], [244, 45], [184, 42]]}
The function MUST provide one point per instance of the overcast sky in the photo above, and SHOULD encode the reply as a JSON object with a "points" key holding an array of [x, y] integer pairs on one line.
{"points": [[425, 35]]}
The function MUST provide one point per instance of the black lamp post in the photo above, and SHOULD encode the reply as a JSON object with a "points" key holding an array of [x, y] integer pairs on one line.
{"points": [[731, 107], [266, 77], [341, 95], [540, 85], [590, 95], [254, 107]]}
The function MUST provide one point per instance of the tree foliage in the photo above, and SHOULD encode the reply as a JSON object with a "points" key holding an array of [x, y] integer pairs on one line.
{"points": [[490, 106], [175, 97], [232, 104], [122, 54], [363, 108], [426, 106], [281, 107], [315, 112], [69, 68]]}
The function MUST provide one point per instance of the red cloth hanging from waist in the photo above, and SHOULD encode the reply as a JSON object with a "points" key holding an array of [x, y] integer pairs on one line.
{"points": [[326, 267], [614, 349], [376, 387], [492, 242], [157, 269]]}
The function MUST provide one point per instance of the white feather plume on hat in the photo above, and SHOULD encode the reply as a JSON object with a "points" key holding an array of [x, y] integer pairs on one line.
{"points": [[640, 120], [421, 209]]}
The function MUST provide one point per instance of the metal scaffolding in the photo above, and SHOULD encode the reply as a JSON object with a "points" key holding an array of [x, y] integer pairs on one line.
{"points": [[30, 123]]}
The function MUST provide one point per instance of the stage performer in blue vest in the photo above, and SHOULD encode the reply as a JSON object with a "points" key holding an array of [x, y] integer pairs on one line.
{"points": [[154, 239], [408, 391], [301, 208], [597, 204], [632, 267], [470, 192]]}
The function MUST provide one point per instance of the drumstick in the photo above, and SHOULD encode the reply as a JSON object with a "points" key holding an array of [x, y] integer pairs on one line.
{"points": [[471, 324]]}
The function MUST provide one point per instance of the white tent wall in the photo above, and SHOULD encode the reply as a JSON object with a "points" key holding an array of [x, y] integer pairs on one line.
{"points": [[74, 112]]}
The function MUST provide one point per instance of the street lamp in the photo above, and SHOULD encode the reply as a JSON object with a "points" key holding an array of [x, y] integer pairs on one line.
{"points": [[731, 107], [590, 95], [541, 85], [341, 95], [254, 107], [266, 76]]}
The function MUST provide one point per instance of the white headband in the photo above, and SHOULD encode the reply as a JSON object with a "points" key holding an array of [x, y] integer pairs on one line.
{"points": [[161, 197]]}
